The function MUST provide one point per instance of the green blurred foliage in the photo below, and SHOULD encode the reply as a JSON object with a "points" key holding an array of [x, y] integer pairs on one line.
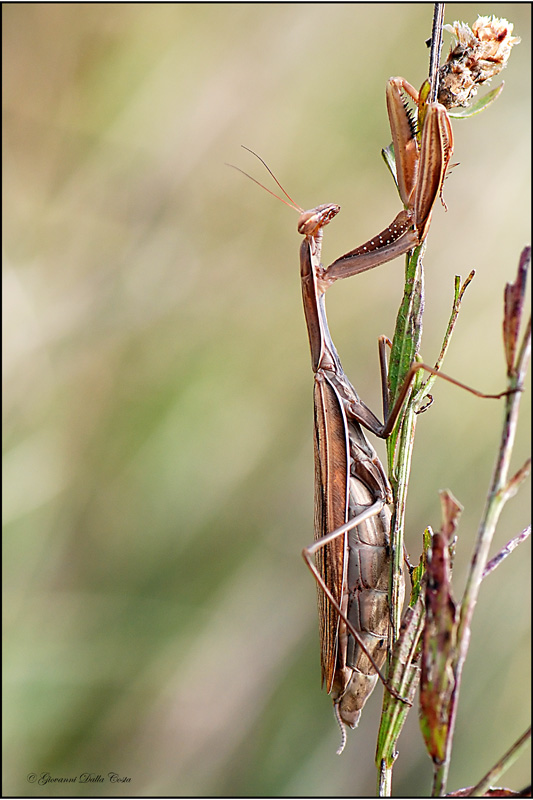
{"points": [[159, 621]]}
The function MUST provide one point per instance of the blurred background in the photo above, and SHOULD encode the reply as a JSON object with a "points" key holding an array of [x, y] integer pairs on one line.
{"points": [[158, 470]]}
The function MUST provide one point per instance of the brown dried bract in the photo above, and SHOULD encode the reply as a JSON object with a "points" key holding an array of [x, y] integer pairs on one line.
{"points": [[478, 55]]}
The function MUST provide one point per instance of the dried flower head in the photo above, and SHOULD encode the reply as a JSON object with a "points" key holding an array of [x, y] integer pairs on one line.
{"points": [[478, 55]]}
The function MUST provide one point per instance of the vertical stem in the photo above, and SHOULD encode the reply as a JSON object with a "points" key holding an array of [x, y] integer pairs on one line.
{"points": [[436, 47], [385, 781], [495, 501], [440, 776], [405, 348], [501, 487]]}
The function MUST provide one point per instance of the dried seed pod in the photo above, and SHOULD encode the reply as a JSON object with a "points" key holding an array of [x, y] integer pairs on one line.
{"points": [[478, 55]]}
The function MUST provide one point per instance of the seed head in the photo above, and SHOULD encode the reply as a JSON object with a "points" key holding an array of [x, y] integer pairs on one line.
{"points": [[477, 56]]}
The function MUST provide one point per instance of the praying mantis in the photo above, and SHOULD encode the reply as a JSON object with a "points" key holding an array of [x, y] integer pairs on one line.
{"points": [[350, 556]]}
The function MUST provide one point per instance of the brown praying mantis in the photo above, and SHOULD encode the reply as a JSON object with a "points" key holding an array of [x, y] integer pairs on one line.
{"points": [[350, 557]]}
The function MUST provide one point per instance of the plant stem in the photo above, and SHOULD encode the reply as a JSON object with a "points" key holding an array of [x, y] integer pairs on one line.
{"points": [[405, 348], [499, 492]]}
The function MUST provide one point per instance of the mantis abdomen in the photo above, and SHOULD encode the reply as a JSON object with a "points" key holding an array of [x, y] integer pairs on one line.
{"points": [[367, 603]]}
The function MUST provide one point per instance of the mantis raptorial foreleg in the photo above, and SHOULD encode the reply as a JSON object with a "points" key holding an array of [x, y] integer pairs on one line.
{"points": [[422, 159]]}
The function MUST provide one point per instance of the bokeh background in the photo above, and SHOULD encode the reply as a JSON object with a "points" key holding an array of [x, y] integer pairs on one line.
{"points": [[158, 477]]}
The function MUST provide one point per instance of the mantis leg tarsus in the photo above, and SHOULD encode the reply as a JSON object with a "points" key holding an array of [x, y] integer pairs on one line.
{"points": [[360, 412], [429, 398]]}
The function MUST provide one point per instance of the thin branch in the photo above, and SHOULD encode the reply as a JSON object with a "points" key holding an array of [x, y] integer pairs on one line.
{"points": [[506, 551], [436, 47], [517, 363], [501, 765]]}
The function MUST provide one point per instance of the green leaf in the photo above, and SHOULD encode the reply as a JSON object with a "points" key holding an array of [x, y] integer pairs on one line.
{"points": [[479, 105]]}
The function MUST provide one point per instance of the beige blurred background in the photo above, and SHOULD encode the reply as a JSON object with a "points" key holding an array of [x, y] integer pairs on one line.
{"points": [[158, 477]]}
